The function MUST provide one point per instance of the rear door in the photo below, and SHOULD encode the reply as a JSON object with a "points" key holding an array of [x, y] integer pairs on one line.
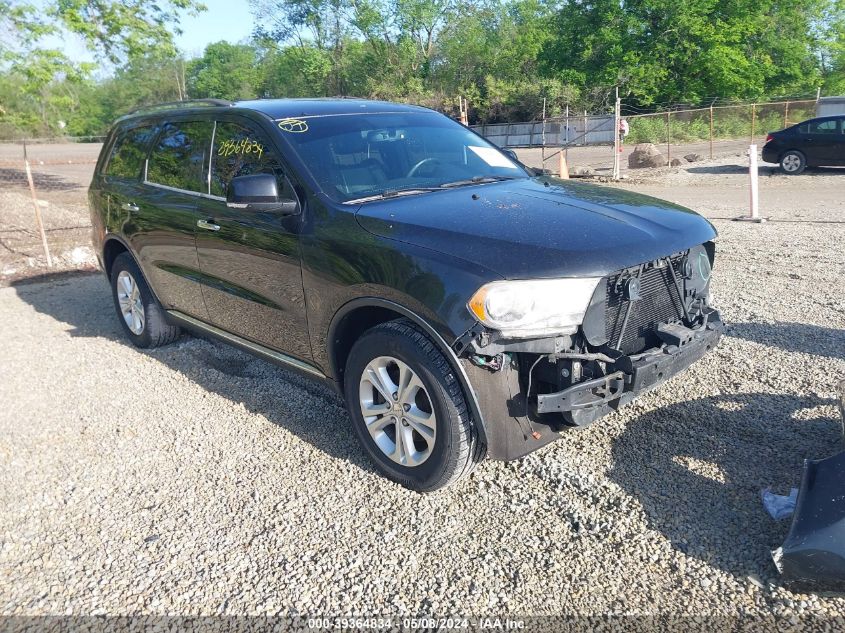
{"points": [[251, 260], [117, 188], [163, 230]]}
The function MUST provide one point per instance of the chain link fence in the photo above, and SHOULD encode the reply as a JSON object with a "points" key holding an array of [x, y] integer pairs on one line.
{"points": [[720, 127], [587, 141], [44, 221]]}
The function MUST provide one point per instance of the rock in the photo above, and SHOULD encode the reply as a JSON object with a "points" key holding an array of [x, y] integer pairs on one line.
{"points": [[582, 171], [755, 580], [676, 162], [646, 155], [693, 158]]}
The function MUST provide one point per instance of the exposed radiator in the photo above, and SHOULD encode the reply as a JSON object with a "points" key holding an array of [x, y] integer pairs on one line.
{"points": [[658, 303]]}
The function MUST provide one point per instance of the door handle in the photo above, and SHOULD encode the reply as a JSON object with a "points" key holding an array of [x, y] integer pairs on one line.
{"points": [[130, 206], [205, 224]]}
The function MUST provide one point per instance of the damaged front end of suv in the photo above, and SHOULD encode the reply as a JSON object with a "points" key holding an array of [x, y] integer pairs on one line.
{"points": [[564, 352]]}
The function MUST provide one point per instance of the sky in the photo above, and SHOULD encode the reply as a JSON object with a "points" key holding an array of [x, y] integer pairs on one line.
{"points": [[229, 20]]}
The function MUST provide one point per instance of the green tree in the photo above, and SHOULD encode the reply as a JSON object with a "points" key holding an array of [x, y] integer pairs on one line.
{"points": [[668, 51], [225, 71], [118, 31]]}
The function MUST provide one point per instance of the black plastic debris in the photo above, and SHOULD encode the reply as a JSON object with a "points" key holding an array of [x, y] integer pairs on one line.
{"points": [[813, 555]]}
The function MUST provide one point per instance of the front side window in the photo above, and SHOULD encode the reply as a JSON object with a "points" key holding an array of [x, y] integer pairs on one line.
{"points": [[126, 159], [823, 127], [241, 150], [364, 155], [178, 158]]}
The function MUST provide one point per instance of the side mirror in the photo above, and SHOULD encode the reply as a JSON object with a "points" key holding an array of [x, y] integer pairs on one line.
{"points": [[258, 192], [512, 155]]}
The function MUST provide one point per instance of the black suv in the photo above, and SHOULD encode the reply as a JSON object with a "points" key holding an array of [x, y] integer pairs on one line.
{"points": [[463, 306]]}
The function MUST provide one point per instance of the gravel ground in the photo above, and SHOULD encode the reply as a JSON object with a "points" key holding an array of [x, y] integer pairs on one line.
{"points": [[194, 479], [61, 192]]}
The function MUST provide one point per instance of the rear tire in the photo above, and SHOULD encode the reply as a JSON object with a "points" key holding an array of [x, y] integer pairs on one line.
{"points": [[142, 318], [793, 162], [421, 435]]}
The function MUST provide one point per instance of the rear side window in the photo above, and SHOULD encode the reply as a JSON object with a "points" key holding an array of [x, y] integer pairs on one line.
{"points": [[823, 127], [128, 152], [242, 150], [178, 158]]}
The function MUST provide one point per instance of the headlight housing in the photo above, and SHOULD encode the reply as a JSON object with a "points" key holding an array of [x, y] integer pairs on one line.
{"points": [[538, 307]]}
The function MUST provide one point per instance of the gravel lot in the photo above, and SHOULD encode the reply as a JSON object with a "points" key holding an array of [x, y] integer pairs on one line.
{"points": [[194, 479]]}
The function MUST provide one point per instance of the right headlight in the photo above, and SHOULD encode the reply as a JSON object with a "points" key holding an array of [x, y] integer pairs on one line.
{"points": [[537, 307]]}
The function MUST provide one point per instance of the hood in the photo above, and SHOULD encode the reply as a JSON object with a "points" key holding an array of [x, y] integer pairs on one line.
{"points": [[526, 228]]}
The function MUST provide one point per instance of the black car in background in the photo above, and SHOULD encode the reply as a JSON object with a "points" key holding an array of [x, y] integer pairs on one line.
{"points": [[463, 306], [813, 143]]}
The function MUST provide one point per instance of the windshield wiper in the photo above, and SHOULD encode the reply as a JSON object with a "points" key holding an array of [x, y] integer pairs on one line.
{"points": [[476, 180], [407, 191], [393, 193]]}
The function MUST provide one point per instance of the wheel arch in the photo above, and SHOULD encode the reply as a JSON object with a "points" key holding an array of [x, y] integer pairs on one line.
{"points": [[112, 247], [359, 315]]}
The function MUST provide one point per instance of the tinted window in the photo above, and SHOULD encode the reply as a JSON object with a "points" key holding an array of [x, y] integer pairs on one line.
{"points": [[359, 156], [823, 127], [128, 153], [178, 158], [241, 150]]}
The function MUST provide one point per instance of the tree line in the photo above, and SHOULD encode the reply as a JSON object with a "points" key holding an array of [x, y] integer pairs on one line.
{"points": [[508, 58]]}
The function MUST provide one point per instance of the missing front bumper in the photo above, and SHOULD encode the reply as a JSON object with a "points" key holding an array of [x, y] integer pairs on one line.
{"points": [[813, 555], [644, 372]]}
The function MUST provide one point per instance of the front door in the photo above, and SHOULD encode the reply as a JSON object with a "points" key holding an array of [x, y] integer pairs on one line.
{"points": [[823, 142], [250, 261]]}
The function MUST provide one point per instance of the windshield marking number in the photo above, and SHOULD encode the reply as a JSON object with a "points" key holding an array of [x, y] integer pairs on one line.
{"points": [[295, 126]]}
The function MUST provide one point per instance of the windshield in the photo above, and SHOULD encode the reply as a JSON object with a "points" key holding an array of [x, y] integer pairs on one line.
{"points": [[359, 156]]}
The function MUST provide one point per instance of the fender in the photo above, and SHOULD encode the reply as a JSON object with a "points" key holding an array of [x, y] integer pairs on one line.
{"points": [[451, 357]]}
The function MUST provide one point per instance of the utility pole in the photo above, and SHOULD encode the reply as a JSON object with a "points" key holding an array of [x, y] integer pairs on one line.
{"points": [[543, 149]]}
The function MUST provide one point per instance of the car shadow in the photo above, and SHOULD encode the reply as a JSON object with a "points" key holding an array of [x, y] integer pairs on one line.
{"points": [[720, 169], [284, 398], [705, 499], [793, 337]]}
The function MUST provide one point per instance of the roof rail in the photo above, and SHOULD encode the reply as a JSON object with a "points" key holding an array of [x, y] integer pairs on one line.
{"points": [[173, 105]]}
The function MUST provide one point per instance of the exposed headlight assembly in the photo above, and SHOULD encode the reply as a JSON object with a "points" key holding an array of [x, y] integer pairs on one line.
{"points": [[540, 307]]}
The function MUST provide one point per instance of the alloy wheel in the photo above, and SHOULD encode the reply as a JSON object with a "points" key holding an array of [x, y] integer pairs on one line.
{"points": [[129, 300], [791, 162], [398, 411]]}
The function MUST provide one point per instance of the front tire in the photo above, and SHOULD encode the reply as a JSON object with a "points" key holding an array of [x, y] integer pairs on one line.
{"points": [[793, 162], [408, 409], [138, 311]]}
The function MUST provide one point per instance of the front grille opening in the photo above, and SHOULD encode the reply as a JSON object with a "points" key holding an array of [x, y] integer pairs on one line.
{"points": [[658, 303]]}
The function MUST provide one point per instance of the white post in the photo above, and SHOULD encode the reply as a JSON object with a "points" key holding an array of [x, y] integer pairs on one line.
{"points": [[616, 113], [544, 121], [754, 207], [752, 172]]}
